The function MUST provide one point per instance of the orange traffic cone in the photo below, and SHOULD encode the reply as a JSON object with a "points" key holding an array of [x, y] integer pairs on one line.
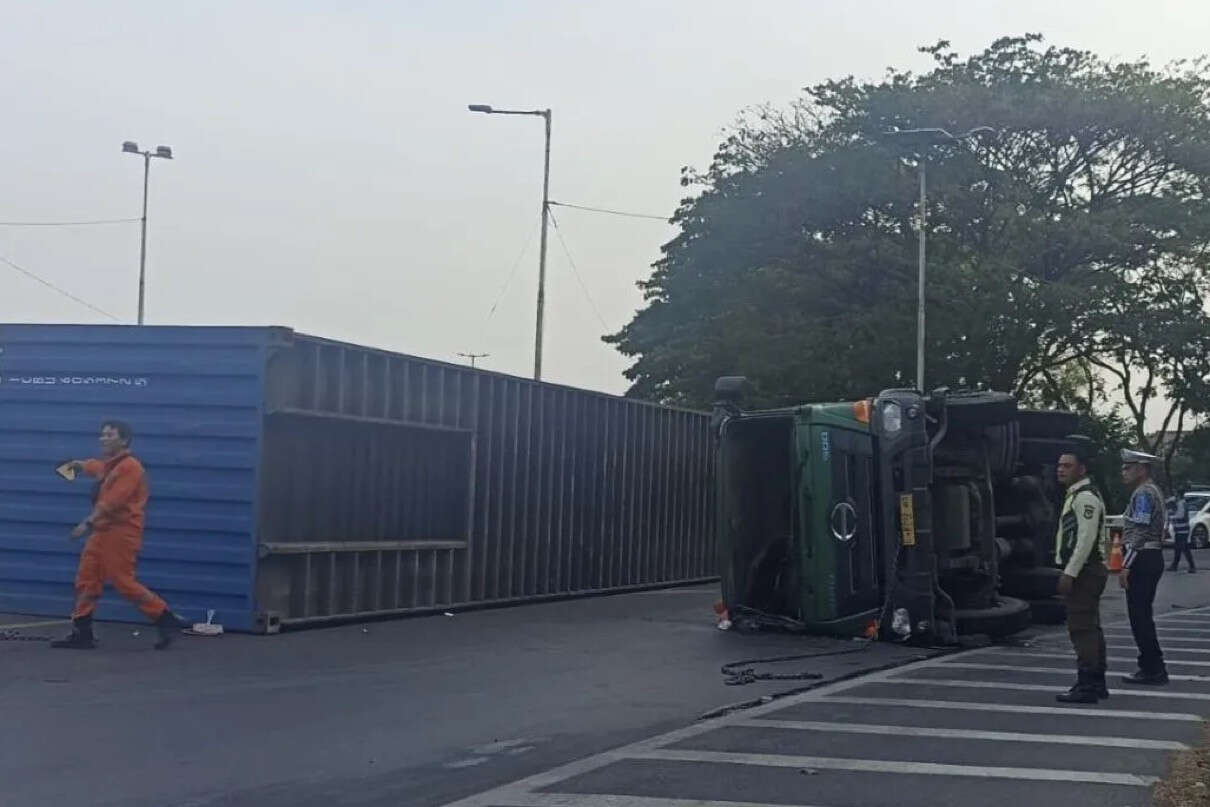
{"points": [[1115, 554]]}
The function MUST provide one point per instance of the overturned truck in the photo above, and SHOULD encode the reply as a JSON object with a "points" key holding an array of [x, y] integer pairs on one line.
{"points": [[922, 517]]}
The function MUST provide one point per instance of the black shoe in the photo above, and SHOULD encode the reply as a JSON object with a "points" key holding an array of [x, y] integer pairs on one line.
{"points": [[1098, 686], [1193, 571], [168, 626], [1140, 678], [1077, 694], [81, 637]]}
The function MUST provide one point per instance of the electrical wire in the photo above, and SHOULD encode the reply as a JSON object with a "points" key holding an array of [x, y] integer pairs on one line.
{"points": [[65, 223], [607, 211], [575, 271], [53, 287], [512, 273]]}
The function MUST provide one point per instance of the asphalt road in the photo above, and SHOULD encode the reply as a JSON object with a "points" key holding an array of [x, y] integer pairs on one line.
{"points": [[407, 713], [425, 712], [980, 727]]}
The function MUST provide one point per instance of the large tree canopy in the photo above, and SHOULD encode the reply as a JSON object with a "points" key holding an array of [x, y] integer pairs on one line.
{"points": [[1071, 243]]}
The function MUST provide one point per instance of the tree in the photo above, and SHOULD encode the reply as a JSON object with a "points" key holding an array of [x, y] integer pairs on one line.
{"points": [[795, 264]]}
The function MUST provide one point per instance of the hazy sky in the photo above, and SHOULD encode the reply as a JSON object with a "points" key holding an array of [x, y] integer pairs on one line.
{"points": [[329, 178]]}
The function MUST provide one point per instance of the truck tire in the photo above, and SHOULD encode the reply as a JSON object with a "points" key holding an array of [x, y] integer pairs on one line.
{"points": [[1003, 448], [1037, 451], [1047, 423], [978, 409], [1048, 611], [1037, 583], [1008, 616]]}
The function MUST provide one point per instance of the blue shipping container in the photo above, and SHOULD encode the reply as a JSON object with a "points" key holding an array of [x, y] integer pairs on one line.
{"points": [[298, 480]]}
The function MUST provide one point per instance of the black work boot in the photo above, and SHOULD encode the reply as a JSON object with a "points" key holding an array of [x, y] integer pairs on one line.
{"points": [[81, 637], [168, 626], [1082, 692], [1097, 683], [1147, 679]]}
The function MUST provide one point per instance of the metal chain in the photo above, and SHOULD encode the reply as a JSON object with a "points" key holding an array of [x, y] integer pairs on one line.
{"points": [[18, 636]]}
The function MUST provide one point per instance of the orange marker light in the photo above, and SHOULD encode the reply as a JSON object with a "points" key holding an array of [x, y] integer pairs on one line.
{"points": [[861, 411]]}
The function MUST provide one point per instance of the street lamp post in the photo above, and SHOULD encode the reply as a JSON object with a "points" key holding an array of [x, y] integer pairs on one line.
{"points": [[545, 115], [921, 140], [165, 153]]}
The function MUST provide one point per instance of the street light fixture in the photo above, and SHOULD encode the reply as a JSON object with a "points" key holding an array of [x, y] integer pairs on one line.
{"points": [[164, 153], [545, 115], [920, 141]]}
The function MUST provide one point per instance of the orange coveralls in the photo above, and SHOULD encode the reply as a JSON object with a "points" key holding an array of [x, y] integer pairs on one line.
{"points": [[117, 536]]}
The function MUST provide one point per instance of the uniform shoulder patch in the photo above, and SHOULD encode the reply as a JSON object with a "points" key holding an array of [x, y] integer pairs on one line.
{"points": [[1089, 511]]}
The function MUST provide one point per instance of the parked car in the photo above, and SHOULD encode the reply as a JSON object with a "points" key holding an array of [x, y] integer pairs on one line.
{"points": [[1198, 505]]}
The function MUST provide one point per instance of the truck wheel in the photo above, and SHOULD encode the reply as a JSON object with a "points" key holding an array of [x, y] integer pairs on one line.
{"points": [[1200, 537], [1037, 451], [967, 409], [1037, 583], [1008, 616], [1003, 447], [1047, 423], [1049, 611]]}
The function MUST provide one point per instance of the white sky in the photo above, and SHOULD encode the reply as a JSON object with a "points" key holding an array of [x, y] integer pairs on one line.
{"points": [[329, 178]]}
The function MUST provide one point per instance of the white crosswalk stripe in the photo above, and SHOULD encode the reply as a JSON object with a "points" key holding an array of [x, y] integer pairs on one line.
{"points": [[878, 728]]}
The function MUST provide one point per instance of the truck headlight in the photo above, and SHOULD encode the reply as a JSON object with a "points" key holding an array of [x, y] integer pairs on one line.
{"points": [[892, 417]]}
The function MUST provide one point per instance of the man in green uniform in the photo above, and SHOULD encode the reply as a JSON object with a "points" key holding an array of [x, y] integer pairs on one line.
{"points": [[1078, 554]]}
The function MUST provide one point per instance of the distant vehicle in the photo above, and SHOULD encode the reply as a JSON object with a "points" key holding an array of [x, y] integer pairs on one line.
{"points": [[1198, 507]]}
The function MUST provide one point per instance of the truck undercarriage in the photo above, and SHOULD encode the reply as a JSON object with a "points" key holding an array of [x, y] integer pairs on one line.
{"points": [[923, 517]]}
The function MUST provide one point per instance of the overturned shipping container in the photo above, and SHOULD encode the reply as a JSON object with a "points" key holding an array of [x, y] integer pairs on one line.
{"points": [[299, 480]]}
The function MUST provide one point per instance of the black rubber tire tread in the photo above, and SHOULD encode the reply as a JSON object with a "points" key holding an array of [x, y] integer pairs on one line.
{"points": [[1037, 451], [1047, 423], [1008, 616], [1049, 611], [1004, 447], [1037, 583], [1199, 537], [983, 408]]}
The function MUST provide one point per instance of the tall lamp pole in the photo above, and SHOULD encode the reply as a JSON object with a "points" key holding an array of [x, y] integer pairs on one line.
{"points": [[165, 153], [920, 141], [545, 115]]}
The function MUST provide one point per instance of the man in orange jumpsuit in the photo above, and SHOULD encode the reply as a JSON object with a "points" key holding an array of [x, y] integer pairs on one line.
{"points": [[116, 522]]}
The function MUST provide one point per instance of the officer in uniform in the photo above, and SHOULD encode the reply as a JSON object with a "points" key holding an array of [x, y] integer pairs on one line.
{"points": [[1143, 564], [1078, 554]]}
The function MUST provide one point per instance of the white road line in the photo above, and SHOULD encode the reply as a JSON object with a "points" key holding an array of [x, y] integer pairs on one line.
{"points": [[1014, 708], [1118, 659], [966, 734], [546, 780], [892, 766], [1163, 634], [961, 665], [1125, 693], [1164, 645], [610, 800]]}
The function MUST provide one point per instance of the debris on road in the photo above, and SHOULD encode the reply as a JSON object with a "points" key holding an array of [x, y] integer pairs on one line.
{"points": [[1188, 782]]}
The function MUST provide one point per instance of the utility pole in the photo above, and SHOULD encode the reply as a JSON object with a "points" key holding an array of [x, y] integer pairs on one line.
{"points": [[473, 357], [545, 212], [921, 141], [163, 152]]}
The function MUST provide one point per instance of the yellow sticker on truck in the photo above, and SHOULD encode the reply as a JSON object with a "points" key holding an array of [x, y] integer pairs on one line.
{"points": [[907, 519]]}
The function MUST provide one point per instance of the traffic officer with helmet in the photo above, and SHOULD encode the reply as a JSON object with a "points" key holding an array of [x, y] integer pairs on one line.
{"points": [[1143, 564], [1078, 554]]}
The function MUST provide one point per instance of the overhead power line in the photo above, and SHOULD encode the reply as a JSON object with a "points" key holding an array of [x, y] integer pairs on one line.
{"points": [[66, 223], [575, 270], [605, 210], [53, 287]]}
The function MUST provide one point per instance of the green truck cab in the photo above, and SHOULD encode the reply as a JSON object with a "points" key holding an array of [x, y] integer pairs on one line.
{"points": [[881, 516]]}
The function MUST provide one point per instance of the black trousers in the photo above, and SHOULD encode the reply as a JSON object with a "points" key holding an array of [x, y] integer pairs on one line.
{"points": [[1145, 574], [1181, 549]]}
